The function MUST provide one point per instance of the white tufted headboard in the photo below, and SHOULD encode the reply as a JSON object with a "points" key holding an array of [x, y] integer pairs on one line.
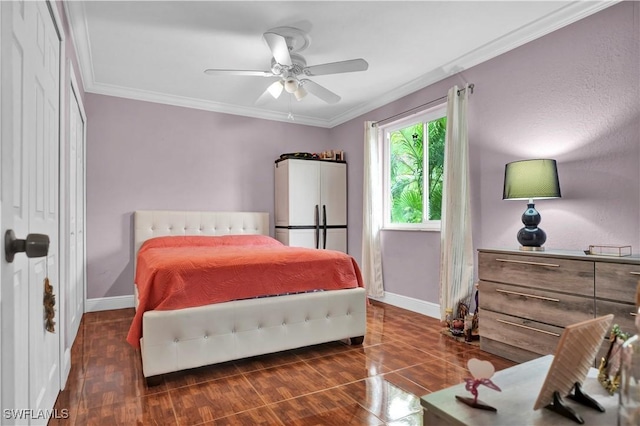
{"points": [[158, 223]]}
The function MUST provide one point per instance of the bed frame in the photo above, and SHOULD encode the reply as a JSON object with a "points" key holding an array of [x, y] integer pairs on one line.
{"points": [[193, 337]]}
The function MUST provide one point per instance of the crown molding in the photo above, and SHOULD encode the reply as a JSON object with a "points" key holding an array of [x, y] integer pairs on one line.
{"points": [[76, 17], [571, 13], [186, 102]]}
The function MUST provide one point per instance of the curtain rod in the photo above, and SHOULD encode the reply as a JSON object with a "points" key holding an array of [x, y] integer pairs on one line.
{"points": [[377, 123]]}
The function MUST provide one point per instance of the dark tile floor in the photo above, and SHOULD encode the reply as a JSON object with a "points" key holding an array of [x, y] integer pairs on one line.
{"points": [[404, 356]]}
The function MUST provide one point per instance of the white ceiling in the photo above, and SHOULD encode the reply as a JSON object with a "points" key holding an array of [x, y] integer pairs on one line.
{"points": [[157, 51]]}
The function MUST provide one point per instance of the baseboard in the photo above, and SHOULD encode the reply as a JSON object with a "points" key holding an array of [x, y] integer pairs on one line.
{"points": [[411, 304], [108, 303]]}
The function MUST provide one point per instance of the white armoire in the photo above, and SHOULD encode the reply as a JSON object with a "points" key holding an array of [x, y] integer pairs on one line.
{"points": [[311, 203]]}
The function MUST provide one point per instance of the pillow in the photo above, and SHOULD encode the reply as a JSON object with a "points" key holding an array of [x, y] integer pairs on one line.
{"points": [[209, 241]]}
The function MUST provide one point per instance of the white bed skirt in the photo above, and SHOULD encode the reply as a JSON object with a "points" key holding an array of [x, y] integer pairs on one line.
{"points": [[194, 337]]}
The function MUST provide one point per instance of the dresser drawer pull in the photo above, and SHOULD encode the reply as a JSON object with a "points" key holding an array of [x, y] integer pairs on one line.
{"points": [[528, 328], [548, 299], [528, 263], [633, 314], [634, 273]]}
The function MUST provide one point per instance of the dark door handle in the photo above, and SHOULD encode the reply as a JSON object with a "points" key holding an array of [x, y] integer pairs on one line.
{"points": [[324, 226], [35, 245], [317, 218]]}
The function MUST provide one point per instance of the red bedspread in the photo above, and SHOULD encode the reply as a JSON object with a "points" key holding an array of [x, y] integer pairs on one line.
{"points": [[181, 272]]}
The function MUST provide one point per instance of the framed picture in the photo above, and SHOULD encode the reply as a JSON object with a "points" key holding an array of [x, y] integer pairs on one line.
{"points": [[575, 354]]}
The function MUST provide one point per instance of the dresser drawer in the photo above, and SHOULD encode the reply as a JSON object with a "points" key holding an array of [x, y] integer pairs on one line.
{"points": [[566, 275], [537, 305], [532, 336], [504, 350], [616, 281], [624, 314]]}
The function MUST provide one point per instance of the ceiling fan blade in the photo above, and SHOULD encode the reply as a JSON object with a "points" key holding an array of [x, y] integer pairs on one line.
{"points": [[272, 92], [250, 73], [337, 67], [323, 93], [279, 49]]}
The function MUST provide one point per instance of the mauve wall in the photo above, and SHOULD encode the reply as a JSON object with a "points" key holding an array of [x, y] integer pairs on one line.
{"points": [[142, 155], [573, 95]]}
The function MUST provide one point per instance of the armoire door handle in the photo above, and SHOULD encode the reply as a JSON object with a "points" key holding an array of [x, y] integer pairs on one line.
{"points": [[324, 226], [317, 219]]}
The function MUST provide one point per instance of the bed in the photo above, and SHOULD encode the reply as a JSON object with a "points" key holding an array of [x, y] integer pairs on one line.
{"points": [[177, 339]]}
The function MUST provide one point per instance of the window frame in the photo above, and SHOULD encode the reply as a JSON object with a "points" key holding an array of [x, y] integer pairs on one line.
{"points": [[425, 117]]}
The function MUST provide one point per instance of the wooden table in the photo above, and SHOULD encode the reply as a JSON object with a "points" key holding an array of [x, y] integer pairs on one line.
{"points": [[520, 387]]}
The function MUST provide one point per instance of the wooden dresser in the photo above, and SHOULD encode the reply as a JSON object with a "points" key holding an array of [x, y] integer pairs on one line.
{"points": [[527, 298]]}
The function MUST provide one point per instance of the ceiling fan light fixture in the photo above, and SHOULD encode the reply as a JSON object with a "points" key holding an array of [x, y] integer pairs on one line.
{"points": [[291, 85], [275, 89], [300, 93], [290, 68]]}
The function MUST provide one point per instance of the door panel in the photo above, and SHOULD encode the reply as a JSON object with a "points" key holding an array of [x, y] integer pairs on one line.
{"points": [[30, 163], [334, 192], [282, 235], [302, 238], [76, 281], [336, 239], [281, 180], [304, 192], [15, 196], [44, 376]]}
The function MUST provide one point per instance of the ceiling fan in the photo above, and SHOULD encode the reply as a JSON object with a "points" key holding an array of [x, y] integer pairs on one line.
{"points": [[285, 44]]}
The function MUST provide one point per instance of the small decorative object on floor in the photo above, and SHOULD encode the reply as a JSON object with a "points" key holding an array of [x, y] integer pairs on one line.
{"points": [[448, 317], [457, 325], [482, 371], [468, 328]]}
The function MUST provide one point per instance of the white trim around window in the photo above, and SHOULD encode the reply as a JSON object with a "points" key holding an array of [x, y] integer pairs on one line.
{"points": [[424, 117]]}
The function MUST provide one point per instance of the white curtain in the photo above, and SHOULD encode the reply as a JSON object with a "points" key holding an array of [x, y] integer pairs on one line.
{"points": [[456, 245], [372, 212]]}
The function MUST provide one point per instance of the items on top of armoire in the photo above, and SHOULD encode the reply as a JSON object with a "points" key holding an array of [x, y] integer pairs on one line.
{"points": [[329, 155]]}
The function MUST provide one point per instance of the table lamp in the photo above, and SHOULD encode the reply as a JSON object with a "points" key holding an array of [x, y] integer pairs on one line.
{"points": [[531, 180]]}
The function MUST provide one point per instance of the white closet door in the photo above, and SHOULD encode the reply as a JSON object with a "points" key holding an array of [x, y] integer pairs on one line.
{"points": [[75, 283], [30, 158], [333, 192], [304, 192]]}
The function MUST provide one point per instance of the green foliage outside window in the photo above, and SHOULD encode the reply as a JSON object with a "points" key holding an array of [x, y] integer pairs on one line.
{"points": [[407, 171]]}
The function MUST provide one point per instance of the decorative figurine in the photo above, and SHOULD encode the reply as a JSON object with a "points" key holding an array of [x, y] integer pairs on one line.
{"points": [[457, 325], [49, 303], [482, 371]]}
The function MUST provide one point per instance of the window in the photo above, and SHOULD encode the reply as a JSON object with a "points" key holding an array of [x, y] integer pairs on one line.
{"points": [[413, 169]]}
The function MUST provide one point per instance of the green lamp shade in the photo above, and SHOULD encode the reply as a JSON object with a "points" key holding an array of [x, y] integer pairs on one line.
{"points": [[531, 179]]}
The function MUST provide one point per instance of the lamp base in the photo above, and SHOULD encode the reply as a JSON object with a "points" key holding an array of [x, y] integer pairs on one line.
{"points": [[531, 238], [529, 248]]}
